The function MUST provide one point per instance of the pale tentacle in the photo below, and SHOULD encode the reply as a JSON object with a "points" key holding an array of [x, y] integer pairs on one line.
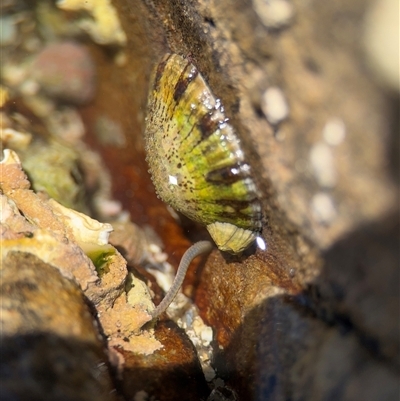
{"points": [[195, 250]]}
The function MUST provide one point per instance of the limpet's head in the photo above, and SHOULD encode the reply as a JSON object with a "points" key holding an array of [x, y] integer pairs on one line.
{"points": [[195, 158], [230, 238]]}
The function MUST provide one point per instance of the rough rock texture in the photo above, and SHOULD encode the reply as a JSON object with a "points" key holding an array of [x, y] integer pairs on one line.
{"points": [[328, 173], [50, 346], [316, 315], [51, 241], [173, 373]]}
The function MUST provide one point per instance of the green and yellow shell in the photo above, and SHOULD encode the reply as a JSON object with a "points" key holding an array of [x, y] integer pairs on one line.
{"points": [[195, 158]]}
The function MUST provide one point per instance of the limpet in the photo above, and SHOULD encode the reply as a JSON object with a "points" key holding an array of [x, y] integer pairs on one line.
{"points": [[195, 159]]}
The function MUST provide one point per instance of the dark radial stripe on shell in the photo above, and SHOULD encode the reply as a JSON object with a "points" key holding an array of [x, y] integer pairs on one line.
{"points": [[239, 205], [184, 80], [189, 133], [228, 175], [159, 73], [208, 125], [238, 214]]}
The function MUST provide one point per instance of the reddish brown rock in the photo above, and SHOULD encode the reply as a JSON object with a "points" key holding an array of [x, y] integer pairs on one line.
{"points": [[172, 373]]}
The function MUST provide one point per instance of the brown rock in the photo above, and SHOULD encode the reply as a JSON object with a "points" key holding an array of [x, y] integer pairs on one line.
{"points": [[328, 178], [328, 174], [172, 373], [50, 349]]}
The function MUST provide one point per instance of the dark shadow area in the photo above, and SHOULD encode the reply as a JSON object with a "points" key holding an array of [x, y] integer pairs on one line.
{"points": [[46, 367], [337, 341], [394, 140], [51, 348], [166, 375]]}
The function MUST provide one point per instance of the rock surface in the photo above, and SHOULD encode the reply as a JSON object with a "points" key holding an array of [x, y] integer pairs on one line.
{"points": [[316, 315], [50, 347], [329, 178]]}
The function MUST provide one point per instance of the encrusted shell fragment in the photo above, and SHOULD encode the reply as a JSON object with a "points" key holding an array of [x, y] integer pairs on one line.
{"points": [[85, 230]]}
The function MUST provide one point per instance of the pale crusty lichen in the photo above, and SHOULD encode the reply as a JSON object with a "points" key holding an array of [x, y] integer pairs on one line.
{"points": [[103, 26], [123, 327]]}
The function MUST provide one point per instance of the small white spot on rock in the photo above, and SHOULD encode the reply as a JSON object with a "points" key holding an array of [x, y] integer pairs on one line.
{"points": [[204, 332], [274, 13], [334, 131], [323, 209], [141, 396], [274, 105], [322, 162], [206, 335]]}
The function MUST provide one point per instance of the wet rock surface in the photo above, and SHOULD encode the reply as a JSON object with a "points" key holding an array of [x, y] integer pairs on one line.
{"points": [[316, 315]]}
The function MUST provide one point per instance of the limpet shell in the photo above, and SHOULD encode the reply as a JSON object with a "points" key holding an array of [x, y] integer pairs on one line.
{"points": [[195, 157]]}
